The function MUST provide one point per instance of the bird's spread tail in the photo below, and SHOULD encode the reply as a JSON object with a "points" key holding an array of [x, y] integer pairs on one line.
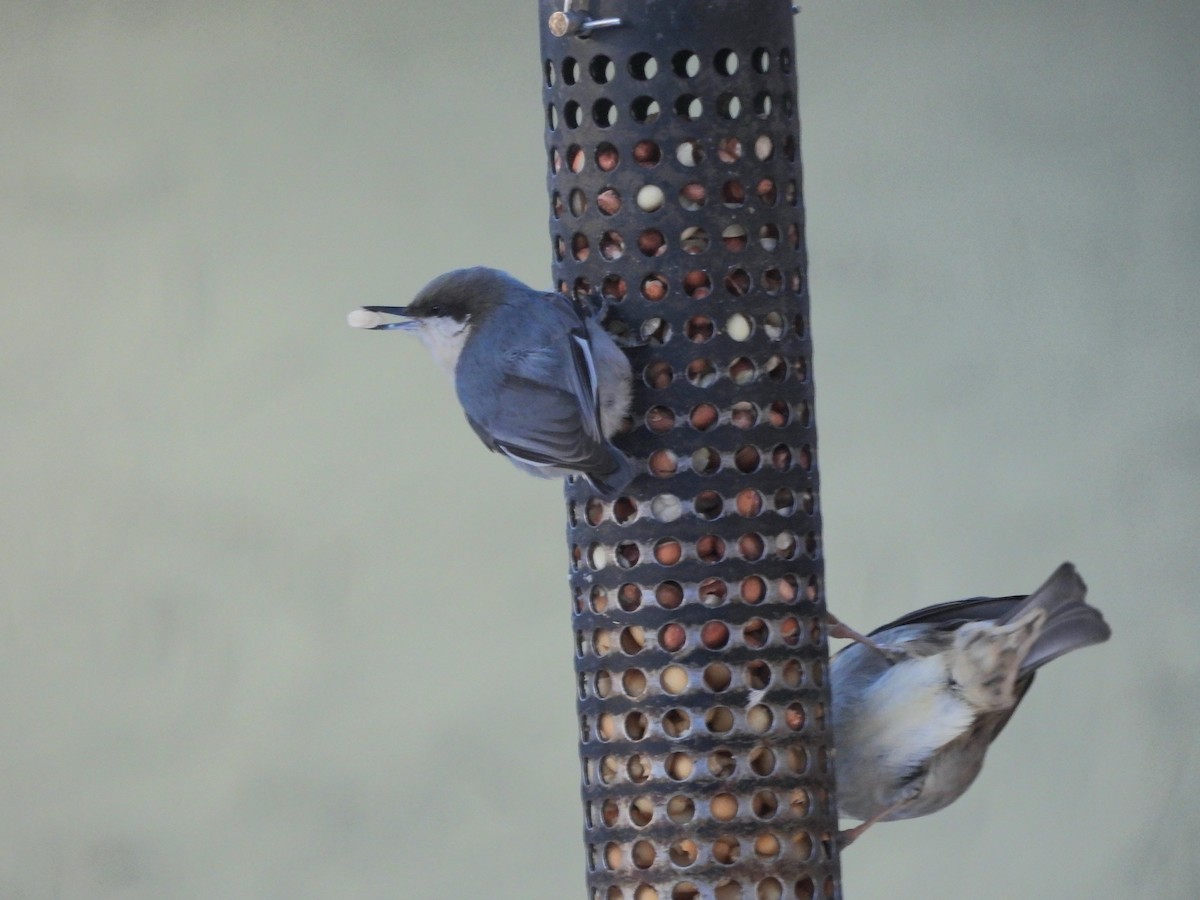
{"points": [[1070, 622]]}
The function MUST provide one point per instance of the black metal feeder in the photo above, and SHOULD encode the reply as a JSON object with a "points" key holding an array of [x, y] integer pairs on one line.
{"points": [[672, 137]]}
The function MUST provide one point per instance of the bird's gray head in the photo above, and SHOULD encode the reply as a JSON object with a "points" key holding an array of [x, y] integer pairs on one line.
{"points": [[445, 312]]}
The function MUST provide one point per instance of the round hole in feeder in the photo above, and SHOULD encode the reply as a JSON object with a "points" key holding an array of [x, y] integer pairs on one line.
{"points": [[764, 147], [723, 806], [579, 246], [679, 766], [701, 372], [719, 719], [752, 589], [734, 238], [784, 501], [681, 808], [602, 69], [629, 596], [729, 150], [606, 727], [663, 463], [733, 193], [757, 675], [693, 239], [654, 287], [667, 551], [762, 761], [750, 546], [729, 106], [762, 104], [726, 62], [643, 66], [658, 375], [706, 460], [764, 804], [599, 599], [755, 633], [641, 811], [669, 594], [712, 591], [683, 853], [747, 459], [672, 637], [708, 504], [607, 157], [647, 153], [633, 683], [765, 190], [699, 329], [749, 503], [717, 677], [689, 107], [613, 287], [666, 508], [674, 679], [638, 768], [737, 282], [676, 723], [602, 683], [742, 371], [794, 716], [645, 110], [551, 117], [770, 888], [633, 639], [651, 241], [743, 414], [703, 416], [628, 554], [775, 368], [726, 850], [714, 635], [761, 60], [572, 114], [685, 64], [721, 763], [594, 511], [655, 330], [692, 196], [609, 201], [660, 419], [575, 158], [768, 237], [643, 854], [636, 724], [604, 113], [570, 70], [697, 284], [781, 457], [689, 153]]}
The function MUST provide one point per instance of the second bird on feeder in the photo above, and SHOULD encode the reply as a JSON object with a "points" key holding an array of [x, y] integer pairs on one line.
{"points": [[912, 727], [538, 377]]}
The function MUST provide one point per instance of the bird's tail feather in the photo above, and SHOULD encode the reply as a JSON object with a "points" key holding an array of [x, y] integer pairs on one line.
{"points": [[609, 484], [1070, 622]]}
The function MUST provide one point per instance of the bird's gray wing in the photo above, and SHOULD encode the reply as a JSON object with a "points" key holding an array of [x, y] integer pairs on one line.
{"points": [[976, 609], [544, 410]]}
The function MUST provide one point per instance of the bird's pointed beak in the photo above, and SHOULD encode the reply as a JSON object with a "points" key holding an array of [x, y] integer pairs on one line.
{"points": [[372, 319]]}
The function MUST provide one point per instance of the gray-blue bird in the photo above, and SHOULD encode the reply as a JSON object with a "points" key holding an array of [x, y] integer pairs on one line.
{"points": [[538, 377], [911, 731]]}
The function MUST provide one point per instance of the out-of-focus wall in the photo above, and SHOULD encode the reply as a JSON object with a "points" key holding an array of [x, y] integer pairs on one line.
{"points": [[274, 625]]}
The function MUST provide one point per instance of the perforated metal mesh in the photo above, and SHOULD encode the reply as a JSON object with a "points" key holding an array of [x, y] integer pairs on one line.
{"points": [[674, 179]]}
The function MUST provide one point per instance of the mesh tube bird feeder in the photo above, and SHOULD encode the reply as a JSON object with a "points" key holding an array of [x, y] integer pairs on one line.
{"points": [[674, 176]]}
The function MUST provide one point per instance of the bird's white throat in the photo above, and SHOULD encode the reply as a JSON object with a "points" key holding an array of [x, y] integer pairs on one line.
{"points": [[444, 337]]}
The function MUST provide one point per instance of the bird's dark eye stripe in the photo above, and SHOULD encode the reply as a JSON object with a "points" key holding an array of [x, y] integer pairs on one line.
{"points": [[435, 310]]}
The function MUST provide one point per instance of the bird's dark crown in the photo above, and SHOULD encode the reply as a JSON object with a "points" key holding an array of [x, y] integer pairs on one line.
{"points": [[462, 294]]}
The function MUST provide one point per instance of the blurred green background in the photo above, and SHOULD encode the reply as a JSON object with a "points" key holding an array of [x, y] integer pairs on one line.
{"points": [[274, 625]]}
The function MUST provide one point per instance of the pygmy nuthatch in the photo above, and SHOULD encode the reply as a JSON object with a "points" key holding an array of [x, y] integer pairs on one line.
{"points": [[538, 377], [912, 726]]}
